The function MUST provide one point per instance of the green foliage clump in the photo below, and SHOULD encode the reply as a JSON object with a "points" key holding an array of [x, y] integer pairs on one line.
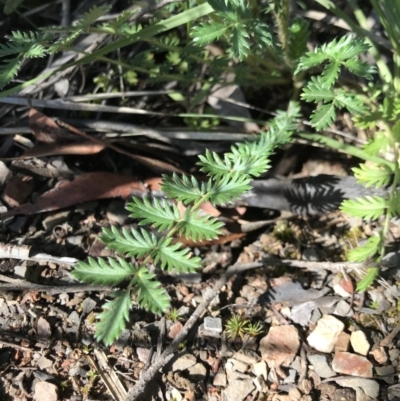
{"points": [[228, 178]]}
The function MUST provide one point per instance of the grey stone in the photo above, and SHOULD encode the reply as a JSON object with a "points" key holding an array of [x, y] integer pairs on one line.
{"points": [[238, 390], [343, 309], [321, 365], [360, 385], [387, 372], [88, 305], [213, 324], [20, 271], [143, 354], [291, 377]]}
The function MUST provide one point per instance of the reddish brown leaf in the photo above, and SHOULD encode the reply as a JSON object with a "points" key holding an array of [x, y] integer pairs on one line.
{"points": [[84, 148], [86, 187], [17, 190], [347, 284], [44, 128]]}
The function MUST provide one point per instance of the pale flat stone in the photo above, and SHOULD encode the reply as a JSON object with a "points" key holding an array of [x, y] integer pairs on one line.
{"points": [[359, 342], [325, 335], [45, 391], [235, 364], [238, 390], [44, 363], [279, 347], [184, 362], [260, 369], [220, 380]]}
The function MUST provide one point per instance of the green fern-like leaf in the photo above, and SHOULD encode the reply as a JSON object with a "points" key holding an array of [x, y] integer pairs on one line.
{"points": [[206, 33], [373, 174], [316, 91], [369, 208], [228, 188], [197, 227], [240, 41], [171, 256], [159, 214], [362, 253], [132, 243], [377, 144], [368, 279], [184, 188], [112, 320], [323, 116], [234, 162], [9, 49], [92, 16], [102, 271], [150, 295], [337, 53], [353, 103], [393, 204], [8, 70], [299, 32]]}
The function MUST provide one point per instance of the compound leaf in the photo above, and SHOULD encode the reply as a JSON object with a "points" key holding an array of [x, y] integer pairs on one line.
{"points": [[204, 33], [183, 188], [368, 250], [134, 243], [171, 256], [370, 207], [323, 116], [368, 279], [228, 188], [113, 318], [373, 174], [197, 227], [150, 295], [160, 214], [102, 271]]}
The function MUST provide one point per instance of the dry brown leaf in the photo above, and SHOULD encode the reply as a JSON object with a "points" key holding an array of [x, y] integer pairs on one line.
{"points": [[17, 190], [84, 148], [84, 188], [44, 128]]}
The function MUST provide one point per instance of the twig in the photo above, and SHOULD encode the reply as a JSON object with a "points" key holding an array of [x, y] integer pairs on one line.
{"points": [[145, 160], [16, 346], [168, 354], [390, 337], [23, 285]]}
